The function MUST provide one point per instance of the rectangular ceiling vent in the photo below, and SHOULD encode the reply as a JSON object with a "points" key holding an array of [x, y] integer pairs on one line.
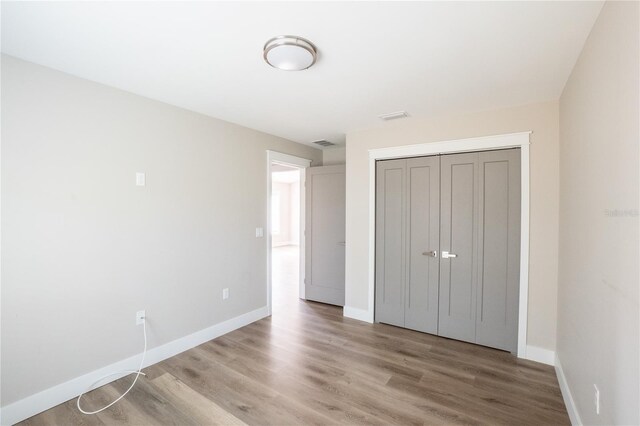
{"points": [[393, 115], [323, 143]]}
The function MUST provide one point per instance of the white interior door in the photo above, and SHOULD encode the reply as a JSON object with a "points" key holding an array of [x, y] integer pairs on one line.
{"points": [[325, 234]]}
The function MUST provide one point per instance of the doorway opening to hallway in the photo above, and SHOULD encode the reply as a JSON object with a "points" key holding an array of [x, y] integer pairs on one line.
{"points": [[286, 220]]}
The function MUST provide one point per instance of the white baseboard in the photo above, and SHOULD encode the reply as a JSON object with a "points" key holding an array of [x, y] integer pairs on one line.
{"points": [[542, 355], [358, 314], [58, 394], [572, 409]]}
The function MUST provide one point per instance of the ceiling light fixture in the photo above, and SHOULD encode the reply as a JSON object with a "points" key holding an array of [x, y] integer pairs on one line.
{"points": [[290, 53]]}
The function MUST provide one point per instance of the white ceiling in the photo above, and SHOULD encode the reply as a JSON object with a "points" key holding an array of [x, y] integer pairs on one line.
{"points": [[428, 58]]}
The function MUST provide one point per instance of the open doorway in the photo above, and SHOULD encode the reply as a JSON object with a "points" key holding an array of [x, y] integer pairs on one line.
{"points": [[285, 235], [285, 223]]}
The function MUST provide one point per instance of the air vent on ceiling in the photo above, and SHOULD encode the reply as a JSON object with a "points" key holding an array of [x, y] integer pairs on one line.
{"points": [[323, 143], [393, 115]]}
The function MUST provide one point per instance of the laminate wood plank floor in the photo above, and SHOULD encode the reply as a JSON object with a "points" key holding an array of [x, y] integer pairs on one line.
{"points": [[307, 364]]}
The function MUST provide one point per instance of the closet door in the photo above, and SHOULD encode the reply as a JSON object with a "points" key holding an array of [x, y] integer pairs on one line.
{"points": [[499, 251], [458, 242], [390, 241], [448, 246], [423, 244]]}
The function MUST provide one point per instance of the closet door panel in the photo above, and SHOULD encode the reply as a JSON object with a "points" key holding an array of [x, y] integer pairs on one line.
{"points": [[390, 241], [423, 235], [499, 251], [458, 275]]}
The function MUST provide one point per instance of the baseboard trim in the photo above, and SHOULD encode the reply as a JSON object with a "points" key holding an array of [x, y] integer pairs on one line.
{"points": [[572, 409], [48, 398], [357, 314], [542, 355]]}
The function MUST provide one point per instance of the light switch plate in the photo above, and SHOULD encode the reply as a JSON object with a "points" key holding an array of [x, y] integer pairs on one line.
{"points": [[140, 179], [259, 233], [225, 293]]}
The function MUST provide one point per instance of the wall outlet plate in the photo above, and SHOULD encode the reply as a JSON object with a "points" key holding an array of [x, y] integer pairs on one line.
{"points": [[140, 317]]}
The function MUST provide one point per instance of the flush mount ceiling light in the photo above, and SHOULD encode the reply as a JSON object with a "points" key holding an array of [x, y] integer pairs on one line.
{"points": [[290, 53]]}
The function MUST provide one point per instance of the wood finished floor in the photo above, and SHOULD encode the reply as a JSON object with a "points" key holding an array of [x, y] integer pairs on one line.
{"points": [[307, 364]]}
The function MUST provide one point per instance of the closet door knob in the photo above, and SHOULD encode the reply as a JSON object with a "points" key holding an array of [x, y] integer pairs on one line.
{"points": [[432, 253]]}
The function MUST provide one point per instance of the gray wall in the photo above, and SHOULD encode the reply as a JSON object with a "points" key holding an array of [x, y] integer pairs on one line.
{"points": [[333, 156], [83, 248], [598, 280], [542, 119]]}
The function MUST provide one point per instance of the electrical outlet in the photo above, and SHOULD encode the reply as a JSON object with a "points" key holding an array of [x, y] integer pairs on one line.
{"points": [[597, 398], [140, 316], [225, 293]]}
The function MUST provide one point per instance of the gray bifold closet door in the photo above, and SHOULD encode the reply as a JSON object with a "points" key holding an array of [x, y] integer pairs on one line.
{"points": [[459, 226], [407, 243], [499, 249], [465, 209]]}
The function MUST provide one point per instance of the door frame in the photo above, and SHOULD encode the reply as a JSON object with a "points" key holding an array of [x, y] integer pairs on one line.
{"points": [[274, 157], [485, 143]]}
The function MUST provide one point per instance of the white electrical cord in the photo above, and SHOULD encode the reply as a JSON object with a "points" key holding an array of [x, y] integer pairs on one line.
{"points": [[137, 372]]}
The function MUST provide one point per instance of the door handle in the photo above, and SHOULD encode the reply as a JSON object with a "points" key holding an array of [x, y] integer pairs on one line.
{"points": [[342, 243], [447, 255], [432, 253]]}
